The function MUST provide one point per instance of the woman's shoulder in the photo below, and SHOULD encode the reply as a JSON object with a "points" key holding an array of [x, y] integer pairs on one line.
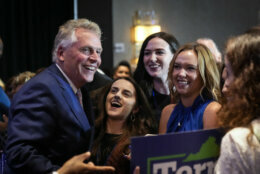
{"points": [[256, 128], [237, 134], [165, 115], [237, 154], [168, 108], [212, 108], [237, 144], [240, 134], [210, 115], [239, 137]]}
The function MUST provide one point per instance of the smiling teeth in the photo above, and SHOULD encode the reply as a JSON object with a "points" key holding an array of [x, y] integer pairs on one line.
{"points": [[154, 66], [183, 83], [90, 68], [115, 104]]}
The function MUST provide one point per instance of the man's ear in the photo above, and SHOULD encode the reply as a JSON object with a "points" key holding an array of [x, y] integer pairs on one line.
{"points": [[60, 52]]}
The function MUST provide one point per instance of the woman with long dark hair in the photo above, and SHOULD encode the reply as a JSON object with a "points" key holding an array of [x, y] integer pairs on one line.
{"points": [[124, 112], [156, 53]]}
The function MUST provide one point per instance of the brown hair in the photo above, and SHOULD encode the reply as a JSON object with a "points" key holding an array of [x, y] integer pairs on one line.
{"points": [[15, 82], [243, 53]]}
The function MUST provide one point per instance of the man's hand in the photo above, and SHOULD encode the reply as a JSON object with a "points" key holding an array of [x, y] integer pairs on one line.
{"points": [[3, 124], [76, 165]]}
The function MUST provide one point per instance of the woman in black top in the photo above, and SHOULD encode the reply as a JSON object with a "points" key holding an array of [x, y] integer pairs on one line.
{"points": [[152, 69], [124, 112]]}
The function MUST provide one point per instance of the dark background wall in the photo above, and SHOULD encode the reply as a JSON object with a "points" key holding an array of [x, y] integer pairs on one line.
{"points": [[28, 28], [100, 11]]}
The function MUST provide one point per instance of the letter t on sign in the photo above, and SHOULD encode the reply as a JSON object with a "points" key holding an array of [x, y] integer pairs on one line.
{"points": [[164, 167]]}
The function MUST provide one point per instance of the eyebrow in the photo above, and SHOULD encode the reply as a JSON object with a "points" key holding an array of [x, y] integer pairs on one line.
{"points": [[154, 49], [99, 49], [93, 48], [127, 90]]}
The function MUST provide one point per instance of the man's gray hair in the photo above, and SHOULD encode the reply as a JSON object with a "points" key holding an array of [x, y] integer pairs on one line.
{"points": [[66, 35]]}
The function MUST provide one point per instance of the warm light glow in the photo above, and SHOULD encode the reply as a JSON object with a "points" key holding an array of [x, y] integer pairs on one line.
{"points": [[145, 23], [142, 31]]}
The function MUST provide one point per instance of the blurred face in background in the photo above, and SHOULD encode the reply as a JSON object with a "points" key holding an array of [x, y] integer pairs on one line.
{"points": [[122, 71], [157, 58]]}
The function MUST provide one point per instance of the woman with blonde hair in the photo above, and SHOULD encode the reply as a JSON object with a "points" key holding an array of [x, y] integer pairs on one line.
{"points": [[194, 85]]}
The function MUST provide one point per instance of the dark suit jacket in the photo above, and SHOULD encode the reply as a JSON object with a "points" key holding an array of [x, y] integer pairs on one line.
{"points": [[47, 124]]}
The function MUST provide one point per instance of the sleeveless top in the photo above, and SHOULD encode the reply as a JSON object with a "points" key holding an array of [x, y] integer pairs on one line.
{"points": [[158, 102], [188, 118]]}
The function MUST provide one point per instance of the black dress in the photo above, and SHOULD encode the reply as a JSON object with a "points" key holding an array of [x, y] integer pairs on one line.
{"points": [[158, 102]]}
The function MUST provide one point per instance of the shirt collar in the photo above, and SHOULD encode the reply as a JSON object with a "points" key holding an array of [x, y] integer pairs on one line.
{"points": [[67, 78]]}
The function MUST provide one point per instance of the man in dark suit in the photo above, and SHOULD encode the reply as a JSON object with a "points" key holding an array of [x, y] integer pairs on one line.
{"points": [[47, 122]]}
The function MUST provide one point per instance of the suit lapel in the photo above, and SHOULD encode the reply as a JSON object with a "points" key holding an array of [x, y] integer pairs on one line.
{"points": [[73, 102]]}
